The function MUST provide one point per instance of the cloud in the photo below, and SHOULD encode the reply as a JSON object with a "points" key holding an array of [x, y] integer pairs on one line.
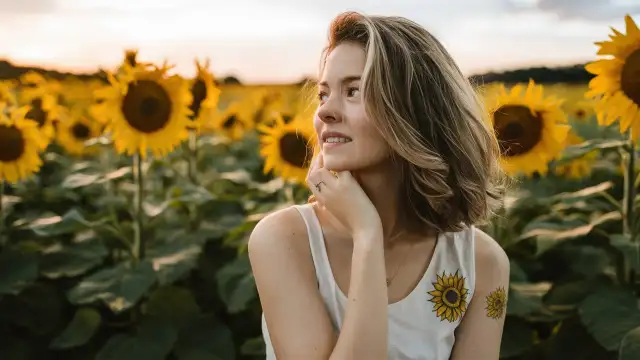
{"points": [[591, 10], [10, 7]]}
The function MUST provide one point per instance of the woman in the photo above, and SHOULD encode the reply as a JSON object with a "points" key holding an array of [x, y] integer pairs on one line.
{"points": [[385, 262]]}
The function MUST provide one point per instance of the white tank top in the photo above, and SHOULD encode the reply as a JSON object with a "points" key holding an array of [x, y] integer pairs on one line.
{"points": [[421, 326]]}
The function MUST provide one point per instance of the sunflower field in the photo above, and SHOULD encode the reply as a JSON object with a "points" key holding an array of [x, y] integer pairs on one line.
{"points": [[126, 203]]}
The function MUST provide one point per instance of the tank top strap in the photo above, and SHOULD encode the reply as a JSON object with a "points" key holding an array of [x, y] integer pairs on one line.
{"points": [[458, 258], [316, 244]]}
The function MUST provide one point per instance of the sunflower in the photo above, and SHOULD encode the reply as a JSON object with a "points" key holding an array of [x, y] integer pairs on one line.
{"points": [[20, 145], [233, 122], [496, 303], [577, 168], [530, 128], [148, 111], [580, 110], [7, 94], [449, 297], [205, 96], [287, 149], [45, 111], [617, 81], [75, 129]]}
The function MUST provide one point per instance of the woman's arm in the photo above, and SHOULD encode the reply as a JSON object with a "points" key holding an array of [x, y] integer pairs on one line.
{"points": [[298, 322], [480, 333]]}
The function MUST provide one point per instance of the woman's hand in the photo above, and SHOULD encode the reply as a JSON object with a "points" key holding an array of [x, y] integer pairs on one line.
{"points": [[341, 194]]}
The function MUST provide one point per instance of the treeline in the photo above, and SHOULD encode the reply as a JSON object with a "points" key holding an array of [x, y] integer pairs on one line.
{"points": [[575, 74]]}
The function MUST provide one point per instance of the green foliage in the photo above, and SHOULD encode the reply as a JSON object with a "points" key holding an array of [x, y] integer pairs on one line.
{"points": [[71, 288]]}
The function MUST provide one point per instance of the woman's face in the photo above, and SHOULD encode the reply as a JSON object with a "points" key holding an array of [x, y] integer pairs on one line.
{"points": [[347, 138]]}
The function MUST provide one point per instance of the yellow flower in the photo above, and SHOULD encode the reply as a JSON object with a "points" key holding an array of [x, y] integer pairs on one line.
{"points": [[7, 94], [287, 148], [617, 83], [449, 297], [75, 129], [147, 111], [20, 146], [496, 303], [205, 97], [233, 122], [530, 128]]}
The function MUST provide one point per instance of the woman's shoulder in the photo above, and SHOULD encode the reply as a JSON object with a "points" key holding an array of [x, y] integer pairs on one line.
{"points": [[281, 233], [492, 262]]}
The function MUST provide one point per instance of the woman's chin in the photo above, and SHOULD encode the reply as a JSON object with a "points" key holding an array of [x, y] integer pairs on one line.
{"points": [[336, 165]]}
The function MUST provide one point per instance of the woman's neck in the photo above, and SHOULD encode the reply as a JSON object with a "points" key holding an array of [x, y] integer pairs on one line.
{"points": [[381, 184]]}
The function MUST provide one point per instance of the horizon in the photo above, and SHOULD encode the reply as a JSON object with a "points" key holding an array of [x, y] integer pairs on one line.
{"points": [[281, 42]]}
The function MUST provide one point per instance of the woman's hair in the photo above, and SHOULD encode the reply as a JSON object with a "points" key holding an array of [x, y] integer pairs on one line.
{"points": [[431, 118]]}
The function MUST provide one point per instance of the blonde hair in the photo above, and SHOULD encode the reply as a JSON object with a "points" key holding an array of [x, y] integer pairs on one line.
{"points": [[431, 118]]}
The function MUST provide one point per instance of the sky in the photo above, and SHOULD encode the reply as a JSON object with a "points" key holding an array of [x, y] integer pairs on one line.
{"points": [[279, 41]]}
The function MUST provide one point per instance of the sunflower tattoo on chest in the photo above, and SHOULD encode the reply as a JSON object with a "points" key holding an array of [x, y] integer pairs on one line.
{"points": [[449, 296], [496, 303]]}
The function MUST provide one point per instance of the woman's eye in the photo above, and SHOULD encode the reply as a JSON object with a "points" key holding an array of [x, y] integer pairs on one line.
{"points": [[323, 97], [352, 91]]}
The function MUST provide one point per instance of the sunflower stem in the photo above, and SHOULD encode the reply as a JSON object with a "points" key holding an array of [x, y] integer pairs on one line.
{"points": [[2, 211], [138, 240], [629, 191], [288, 193], [192, 157]]}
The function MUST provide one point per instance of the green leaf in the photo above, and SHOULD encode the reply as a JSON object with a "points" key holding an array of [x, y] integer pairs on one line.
{"points": [[73, 260], [17, 270], [630, 250], [518, 337], [570, 294], [236, 285], [38, 309], [173, 304], [191, 194], [174, 260], [70, 222], [525, 299], [630, 346], [119, 287], [584, 193], [516, 274], [205, 339], [83, 326], [253, 347], [79, 180], [548, 235], [609, 315], [577, 151], [153, 340]]}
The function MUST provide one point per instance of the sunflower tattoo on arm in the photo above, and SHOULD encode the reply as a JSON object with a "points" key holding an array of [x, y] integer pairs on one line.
{"points": [[496, 303]]}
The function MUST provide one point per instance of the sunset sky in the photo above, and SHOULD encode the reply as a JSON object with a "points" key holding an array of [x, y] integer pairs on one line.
{"points": [[280, 40]]}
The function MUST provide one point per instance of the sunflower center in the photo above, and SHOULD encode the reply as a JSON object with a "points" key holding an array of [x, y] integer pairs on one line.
{"points": [[199, 92], [230, 122], [498, 303], [37, 113], [518, 130], [80, 131], [294, 149], [451, 296], [11, 143], [147, 106], [630, 77], [580, 114]]}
